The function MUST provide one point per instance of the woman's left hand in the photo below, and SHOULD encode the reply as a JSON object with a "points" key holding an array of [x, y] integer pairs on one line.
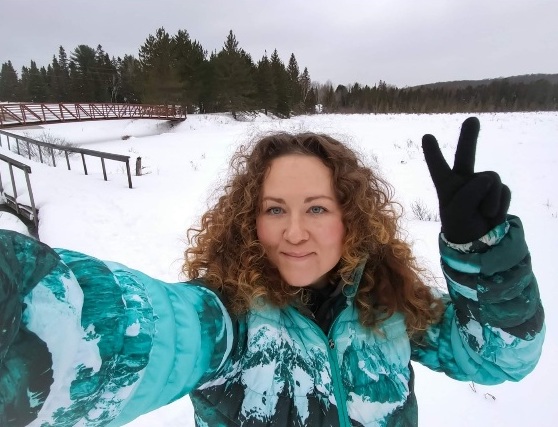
{"points": [[471, 204]]}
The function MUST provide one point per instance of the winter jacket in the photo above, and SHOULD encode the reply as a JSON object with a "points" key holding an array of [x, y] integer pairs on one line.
{"points": [[100, 344]]}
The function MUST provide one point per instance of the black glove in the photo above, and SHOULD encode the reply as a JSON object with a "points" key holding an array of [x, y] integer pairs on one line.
{"points": [[471, 204]]}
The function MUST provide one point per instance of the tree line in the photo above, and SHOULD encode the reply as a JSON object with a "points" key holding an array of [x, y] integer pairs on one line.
{"points": [[177, 70]]}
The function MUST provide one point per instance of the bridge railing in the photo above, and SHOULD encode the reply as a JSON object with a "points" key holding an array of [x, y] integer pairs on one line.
{"points": [[29, 211], [49, 150], [23, 114]]}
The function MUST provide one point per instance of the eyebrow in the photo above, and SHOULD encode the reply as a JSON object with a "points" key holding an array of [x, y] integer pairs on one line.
{"points": [[306, 200]]}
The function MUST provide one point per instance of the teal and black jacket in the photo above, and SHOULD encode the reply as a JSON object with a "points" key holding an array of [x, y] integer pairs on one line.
{"points": [[95, 343]]}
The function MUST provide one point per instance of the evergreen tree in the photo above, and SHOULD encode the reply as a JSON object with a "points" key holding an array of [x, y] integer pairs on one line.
{"points": [[307, 94], [23, 85], [85, 81], [63, 76], [53, 79], [105, 77], [294, 84], [280, 83], [234, 78], [190, 63], [264, 83], [161, 81], [9, 84], [36, 84], [129, 72]]}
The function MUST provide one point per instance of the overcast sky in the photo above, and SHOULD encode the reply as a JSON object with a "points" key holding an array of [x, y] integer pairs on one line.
{"points": [[403, 42]]}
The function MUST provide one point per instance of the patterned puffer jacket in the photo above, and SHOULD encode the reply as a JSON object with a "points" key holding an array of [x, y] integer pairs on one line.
{"points": [[94, 343]]}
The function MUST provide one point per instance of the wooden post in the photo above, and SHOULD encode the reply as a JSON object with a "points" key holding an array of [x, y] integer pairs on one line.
{"points": [[129, 173], [138, 166], [84, 165], [104, 169]]}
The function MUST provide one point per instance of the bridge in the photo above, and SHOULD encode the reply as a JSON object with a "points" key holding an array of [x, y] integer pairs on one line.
{"points": [[13, 115]]}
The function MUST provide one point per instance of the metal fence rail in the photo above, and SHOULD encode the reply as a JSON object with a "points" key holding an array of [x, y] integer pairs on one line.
{"points": [[30, 212], [49, 151], [25, 114]]}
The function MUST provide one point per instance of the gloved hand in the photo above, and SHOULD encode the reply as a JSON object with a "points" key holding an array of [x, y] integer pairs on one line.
{"points": [[471, 204]]}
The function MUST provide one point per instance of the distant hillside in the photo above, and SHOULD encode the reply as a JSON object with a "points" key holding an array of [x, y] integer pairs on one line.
{"points": [[462, 84]]}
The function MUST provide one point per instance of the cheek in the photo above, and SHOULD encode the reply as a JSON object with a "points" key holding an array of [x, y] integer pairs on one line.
{"points": [[334, 235], [264, 231]]}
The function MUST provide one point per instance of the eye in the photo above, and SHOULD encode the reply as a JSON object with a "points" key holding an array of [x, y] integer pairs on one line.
{"points": [[317, 209], [275, 210]]}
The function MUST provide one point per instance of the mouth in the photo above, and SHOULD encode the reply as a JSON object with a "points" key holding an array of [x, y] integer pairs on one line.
{"points": [[297, 256]]}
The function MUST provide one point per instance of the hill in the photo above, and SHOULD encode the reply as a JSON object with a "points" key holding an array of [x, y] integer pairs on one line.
{"points": [[462, 84]]}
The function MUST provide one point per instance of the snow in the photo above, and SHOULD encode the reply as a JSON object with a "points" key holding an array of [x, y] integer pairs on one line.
{"points": [[145, 227]]}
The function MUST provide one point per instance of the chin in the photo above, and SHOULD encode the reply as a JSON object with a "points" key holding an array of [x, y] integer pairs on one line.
{"points": [[314, 282]]}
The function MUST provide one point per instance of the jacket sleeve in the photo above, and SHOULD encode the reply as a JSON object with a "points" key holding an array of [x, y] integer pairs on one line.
{"points": [[492, 329], [92, 342]]}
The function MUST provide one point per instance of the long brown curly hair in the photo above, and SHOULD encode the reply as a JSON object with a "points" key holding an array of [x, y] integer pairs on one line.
{"points": [[225, 253]]}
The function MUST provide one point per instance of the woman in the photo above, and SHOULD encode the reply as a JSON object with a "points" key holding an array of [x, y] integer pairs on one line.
{"points": [[304, 306]]}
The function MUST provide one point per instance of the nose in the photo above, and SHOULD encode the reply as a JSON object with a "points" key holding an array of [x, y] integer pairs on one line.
{"points": [[295, 231]]}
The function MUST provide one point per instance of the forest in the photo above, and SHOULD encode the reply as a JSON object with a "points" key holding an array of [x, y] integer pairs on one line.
{"points": [[177, 70]]}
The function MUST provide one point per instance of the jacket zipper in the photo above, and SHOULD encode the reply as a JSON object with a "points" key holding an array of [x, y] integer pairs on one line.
{"points": [[338, 388]]}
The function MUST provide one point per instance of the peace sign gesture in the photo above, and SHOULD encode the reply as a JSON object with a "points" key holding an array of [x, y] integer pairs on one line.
{"points": [[471, 204]]}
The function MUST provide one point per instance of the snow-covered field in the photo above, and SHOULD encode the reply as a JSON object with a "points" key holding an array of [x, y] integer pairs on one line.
{"points": [[145, 227]]}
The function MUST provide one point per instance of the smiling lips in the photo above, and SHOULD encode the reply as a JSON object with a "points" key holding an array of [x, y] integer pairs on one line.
{"points": [[297, 256]]}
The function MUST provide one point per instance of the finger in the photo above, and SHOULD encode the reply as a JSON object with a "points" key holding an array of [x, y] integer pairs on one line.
{"points": [[471, 195], [490, 205], [437, 165], [464, 163], [505, 199]]}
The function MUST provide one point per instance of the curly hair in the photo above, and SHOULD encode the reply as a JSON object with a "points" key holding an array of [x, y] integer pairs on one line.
{"points": [[224, 251]]}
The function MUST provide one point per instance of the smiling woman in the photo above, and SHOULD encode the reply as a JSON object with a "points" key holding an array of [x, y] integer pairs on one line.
{"points": [[304, 306]]}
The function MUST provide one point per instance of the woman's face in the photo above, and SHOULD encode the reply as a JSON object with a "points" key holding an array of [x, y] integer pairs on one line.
{"points": [[300, 225]]}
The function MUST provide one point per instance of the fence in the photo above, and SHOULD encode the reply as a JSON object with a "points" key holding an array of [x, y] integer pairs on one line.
{"points": [[49, 151], [12, 200]]}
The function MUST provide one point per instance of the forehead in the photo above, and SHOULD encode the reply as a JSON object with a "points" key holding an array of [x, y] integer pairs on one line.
{"points": [[298, 173]]}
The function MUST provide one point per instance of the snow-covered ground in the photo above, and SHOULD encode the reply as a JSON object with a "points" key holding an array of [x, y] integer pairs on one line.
{"points": [[145, 227]]}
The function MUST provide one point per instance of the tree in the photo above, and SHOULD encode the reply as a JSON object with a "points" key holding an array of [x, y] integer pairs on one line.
{"points": [[9, 84], [129, 73], [280, 82], [265, 87], [105, 76], [190, 60], [63, 76], [161, 81], [294, 86], [36, 84], [84, 81], [306, 91], [234, 78]]}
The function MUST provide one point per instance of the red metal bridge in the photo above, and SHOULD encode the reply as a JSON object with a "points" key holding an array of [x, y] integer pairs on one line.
{"points": [[13, 115]]}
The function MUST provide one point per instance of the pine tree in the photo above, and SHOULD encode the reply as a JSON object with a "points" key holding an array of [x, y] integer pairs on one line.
{"points": [[36, 84], [9, 84], [235, 78], [63, 76], [161, 82], [264, 83], [130, 77], [106, 79], [306, 90], [190, 64], [84, 76], [280, 82], [294, 84]]}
